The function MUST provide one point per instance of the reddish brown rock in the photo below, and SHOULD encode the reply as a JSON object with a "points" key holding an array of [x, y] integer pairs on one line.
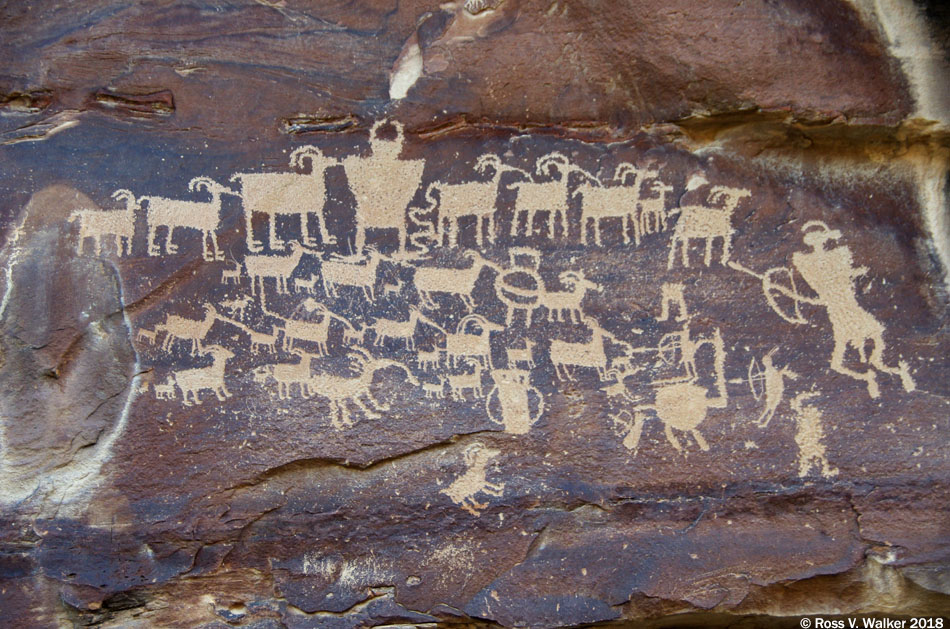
{"points": [[514, 313]]}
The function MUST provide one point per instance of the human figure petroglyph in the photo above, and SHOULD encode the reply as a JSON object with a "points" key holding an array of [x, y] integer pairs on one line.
{"points": [[509, 402], [383, 185], [671, 295], [566, 305], [288, 374], [289, 194], [591, 354], [472, 198], [546, 196], [474, 480], [682, 404], [404, 330], [99, 224], [461, 382], [192, 382], [342, 272], [518, 356], [471, 339], [279, 267], [458, 282], [707, 223], [809, 436], [774, 381], [181, 328], [831, 274], [621, 201], [653, 214], [203, 216], [340, 391]]}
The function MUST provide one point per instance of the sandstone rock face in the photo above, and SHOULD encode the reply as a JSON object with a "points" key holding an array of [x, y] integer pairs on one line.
{"points": [[486, 313]]}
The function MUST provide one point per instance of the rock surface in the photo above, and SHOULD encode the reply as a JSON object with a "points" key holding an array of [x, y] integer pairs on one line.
{"points": [[488, 313]]}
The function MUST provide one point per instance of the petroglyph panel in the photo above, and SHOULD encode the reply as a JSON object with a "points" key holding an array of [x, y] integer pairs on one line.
{"points": [[573, 322]]}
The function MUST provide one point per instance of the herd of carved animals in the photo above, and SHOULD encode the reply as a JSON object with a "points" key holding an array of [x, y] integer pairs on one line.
{"points": [[383, 185]]}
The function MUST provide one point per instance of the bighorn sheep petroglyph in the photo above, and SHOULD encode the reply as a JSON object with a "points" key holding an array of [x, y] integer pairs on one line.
{"points": [[474, 480], [546, 196], [290, 194], [344, 273], [590, 354], [460, 382], [621, 201], [288, 374], [184, 329], [278, 267], [706, 223], [459, 282], [340, 391], [203, 216], [477, 344], [566, 305], [404, 330], [98, 224], [472, 198], [653, 212], [193, 381]]}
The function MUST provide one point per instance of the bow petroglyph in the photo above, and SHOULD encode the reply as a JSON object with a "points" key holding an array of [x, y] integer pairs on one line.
{"points": [[394, 305]]}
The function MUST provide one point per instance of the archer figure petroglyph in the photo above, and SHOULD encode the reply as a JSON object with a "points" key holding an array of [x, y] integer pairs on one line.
{"points": [[830, 272]]}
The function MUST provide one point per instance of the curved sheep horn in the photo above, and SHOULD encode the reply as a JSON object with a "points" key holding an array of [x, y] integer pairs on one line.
{"points": [[624, 169], [551, 159], [486, 160], [302, 152], [201, 182]]}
